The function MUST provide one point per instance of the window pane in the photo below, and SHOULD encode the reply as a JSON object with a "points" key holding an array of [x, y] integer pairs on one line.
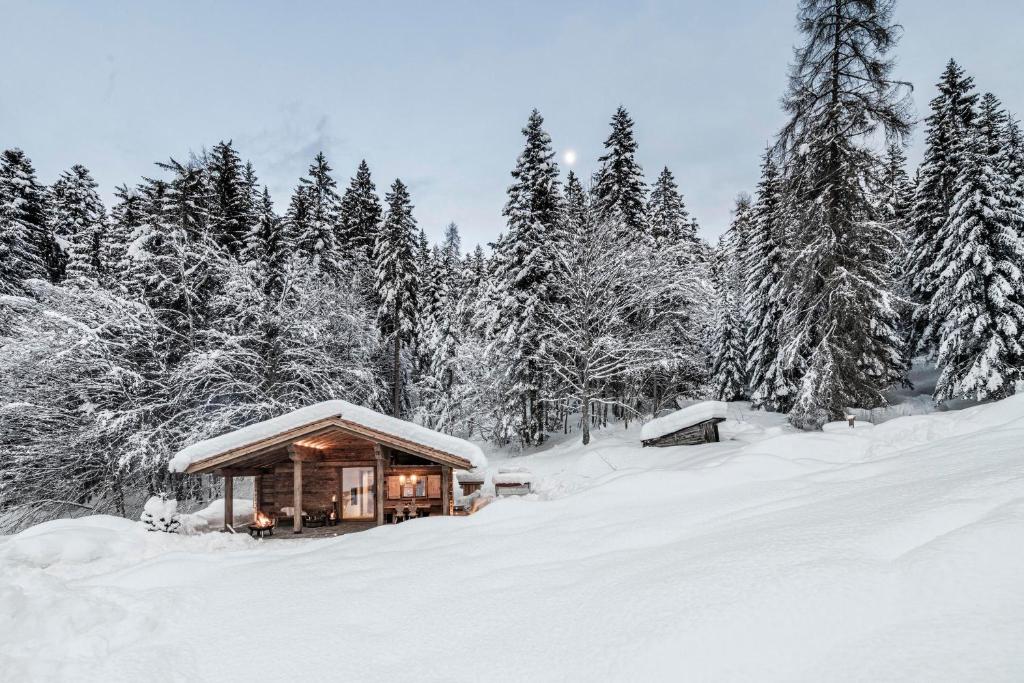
{"points": [[357, 495]]}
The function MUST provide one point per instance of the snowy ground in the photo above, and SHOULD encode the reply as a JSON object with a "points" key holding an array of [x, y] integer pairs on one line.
{"points": [[892, 553]]}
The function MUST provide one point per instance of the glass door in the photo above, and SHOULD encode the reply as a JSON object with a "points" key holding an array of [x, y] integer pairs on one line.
{"points": [[357, 493]]}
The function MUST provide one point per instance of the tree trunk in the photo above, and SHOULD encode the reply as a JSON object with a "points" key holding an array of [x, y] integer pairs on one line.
{"points": [[586, 418], [397, 369]]}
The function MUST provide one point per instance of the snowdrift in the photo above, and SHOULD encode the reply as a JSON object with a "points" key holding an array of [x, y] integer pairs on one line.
{"points": [[890, 553]]}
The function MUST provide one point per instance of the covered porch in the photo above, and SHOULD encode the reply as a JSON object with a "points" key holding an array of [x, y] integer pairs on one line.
{"points": [[334, 468]]}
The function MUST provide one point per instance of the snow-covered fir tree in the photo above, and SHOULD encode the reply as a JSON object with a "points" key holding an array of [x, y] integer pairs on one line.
{"points": [[770, 386], [840, 321], [977, 312], [948, 127], [394, 259], [77, 219], [520, 283], [314, 219], [668, 220], [728, 372], [26, 246], [619, 188], [360, 213], [123, 230], [230, 204]]}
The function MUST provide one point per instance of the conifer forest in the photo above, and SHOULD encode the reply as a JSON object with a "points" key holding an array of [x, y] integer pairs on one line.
{"points": [[194, 304]]}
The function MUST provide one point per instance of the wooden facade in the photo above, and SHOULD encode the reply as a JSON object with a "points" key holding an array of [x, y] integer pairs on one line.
{"points": [[702, 432], [334, 471]]}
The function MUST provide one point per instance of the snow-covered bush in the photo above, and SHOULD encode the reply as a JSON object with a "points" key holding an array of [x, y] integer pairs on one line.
{"points": [[161, 514]]}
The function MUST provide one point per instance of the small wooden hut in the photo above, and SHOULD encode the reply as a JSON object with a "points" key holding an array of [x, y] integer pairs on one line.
{"points": [[689, 426], [335, 461]]}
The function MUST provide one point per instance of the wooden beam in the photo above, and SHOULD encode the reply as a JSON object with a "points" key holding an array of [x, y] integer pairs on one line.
{"points": [[229, 503], [446, 489], [378, 483], [297, 496], [298, 453], [240, 472]]}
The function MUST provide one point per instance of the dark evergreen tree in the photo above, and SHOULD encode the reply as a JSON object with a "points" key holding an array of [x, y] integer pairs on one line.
{"points": [[947, 128], [126, 220], [977, 312], [521, 280], [394, 258], [667, 218], [270, 248], [840, 317], [770, 387], [78, 220], [315, 235], [230, 201], [360, 213], [619, 189], [728, 372], [27, 250]]}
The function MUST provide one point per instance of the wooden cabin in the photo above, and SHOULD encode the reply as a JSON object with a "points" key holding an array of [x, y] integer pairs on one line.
{"points": [[690, 426], [336, 463]]}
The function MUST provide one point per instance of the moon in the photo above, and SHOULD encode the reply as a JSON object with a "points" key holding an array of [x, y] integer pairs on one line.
{"points": [[569, 157]]}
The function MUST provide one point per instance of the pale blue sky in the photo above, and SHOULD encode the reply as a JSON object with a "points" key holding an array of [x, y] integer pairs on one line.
{"points": [[436, 92]]}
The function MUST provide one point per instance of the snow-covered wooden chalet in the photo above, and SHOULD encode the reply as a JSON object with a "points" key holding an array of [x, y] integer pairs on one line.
{"points": [[335, 461]]}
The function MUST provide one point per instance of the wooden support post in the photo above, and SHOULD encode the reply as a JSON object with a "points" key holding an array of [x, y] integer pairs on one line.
{"points": [[296, 489], [378, 483], [446, 490], [229, 502], [257, 494]]}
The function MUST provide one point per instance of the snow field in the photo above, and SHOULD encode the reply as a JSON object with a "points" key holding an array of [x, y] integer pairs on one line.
{"points": [[890, 553]]}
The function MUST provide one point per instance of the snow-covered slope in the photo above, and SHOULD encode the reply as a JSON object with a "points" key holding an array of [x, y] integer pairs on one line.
{"points": [[892, 553]]}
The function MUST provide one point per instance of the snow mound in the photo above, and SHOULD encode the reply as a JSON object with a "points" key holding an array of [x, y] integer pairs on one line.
{"points": [[297, 419], [686, 417]]}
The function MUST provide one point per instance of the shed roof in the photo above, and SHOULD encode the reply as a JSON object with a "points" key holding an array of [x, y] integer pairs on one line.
{"points": [[311, 423], [687, 417]]}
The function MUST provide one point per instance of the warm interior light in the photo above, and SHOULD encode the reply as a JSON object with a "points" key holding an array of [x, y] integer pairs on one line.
{"points": [[401, 479], [413, 478]]}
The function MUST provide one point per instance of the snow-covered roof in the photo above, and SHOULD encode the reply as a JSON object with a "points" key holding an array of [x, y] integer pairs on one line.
{"points": [[470, 476], [318, 412], [681, 419]]}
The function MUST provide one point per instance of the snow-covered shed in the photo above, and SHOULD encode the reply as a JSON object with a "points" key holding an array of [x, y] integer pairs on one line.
{"points": [[336, 461], [692, 425]]}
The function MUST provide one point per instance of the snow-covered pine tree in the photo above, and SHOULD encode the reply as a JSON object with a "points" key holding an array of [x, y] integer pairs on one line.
{"points": [[619, 189], [26, 246], [675, 263], [840, 317], [178, 263], [78, 220], [770, 386], [978, 308], [728, 371], [520, 283], [394, 258], [269, 247], [230, 201], [947, 128], [314, 223], [668, 221], [360, 213], [122, 232], [895, 206]]}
